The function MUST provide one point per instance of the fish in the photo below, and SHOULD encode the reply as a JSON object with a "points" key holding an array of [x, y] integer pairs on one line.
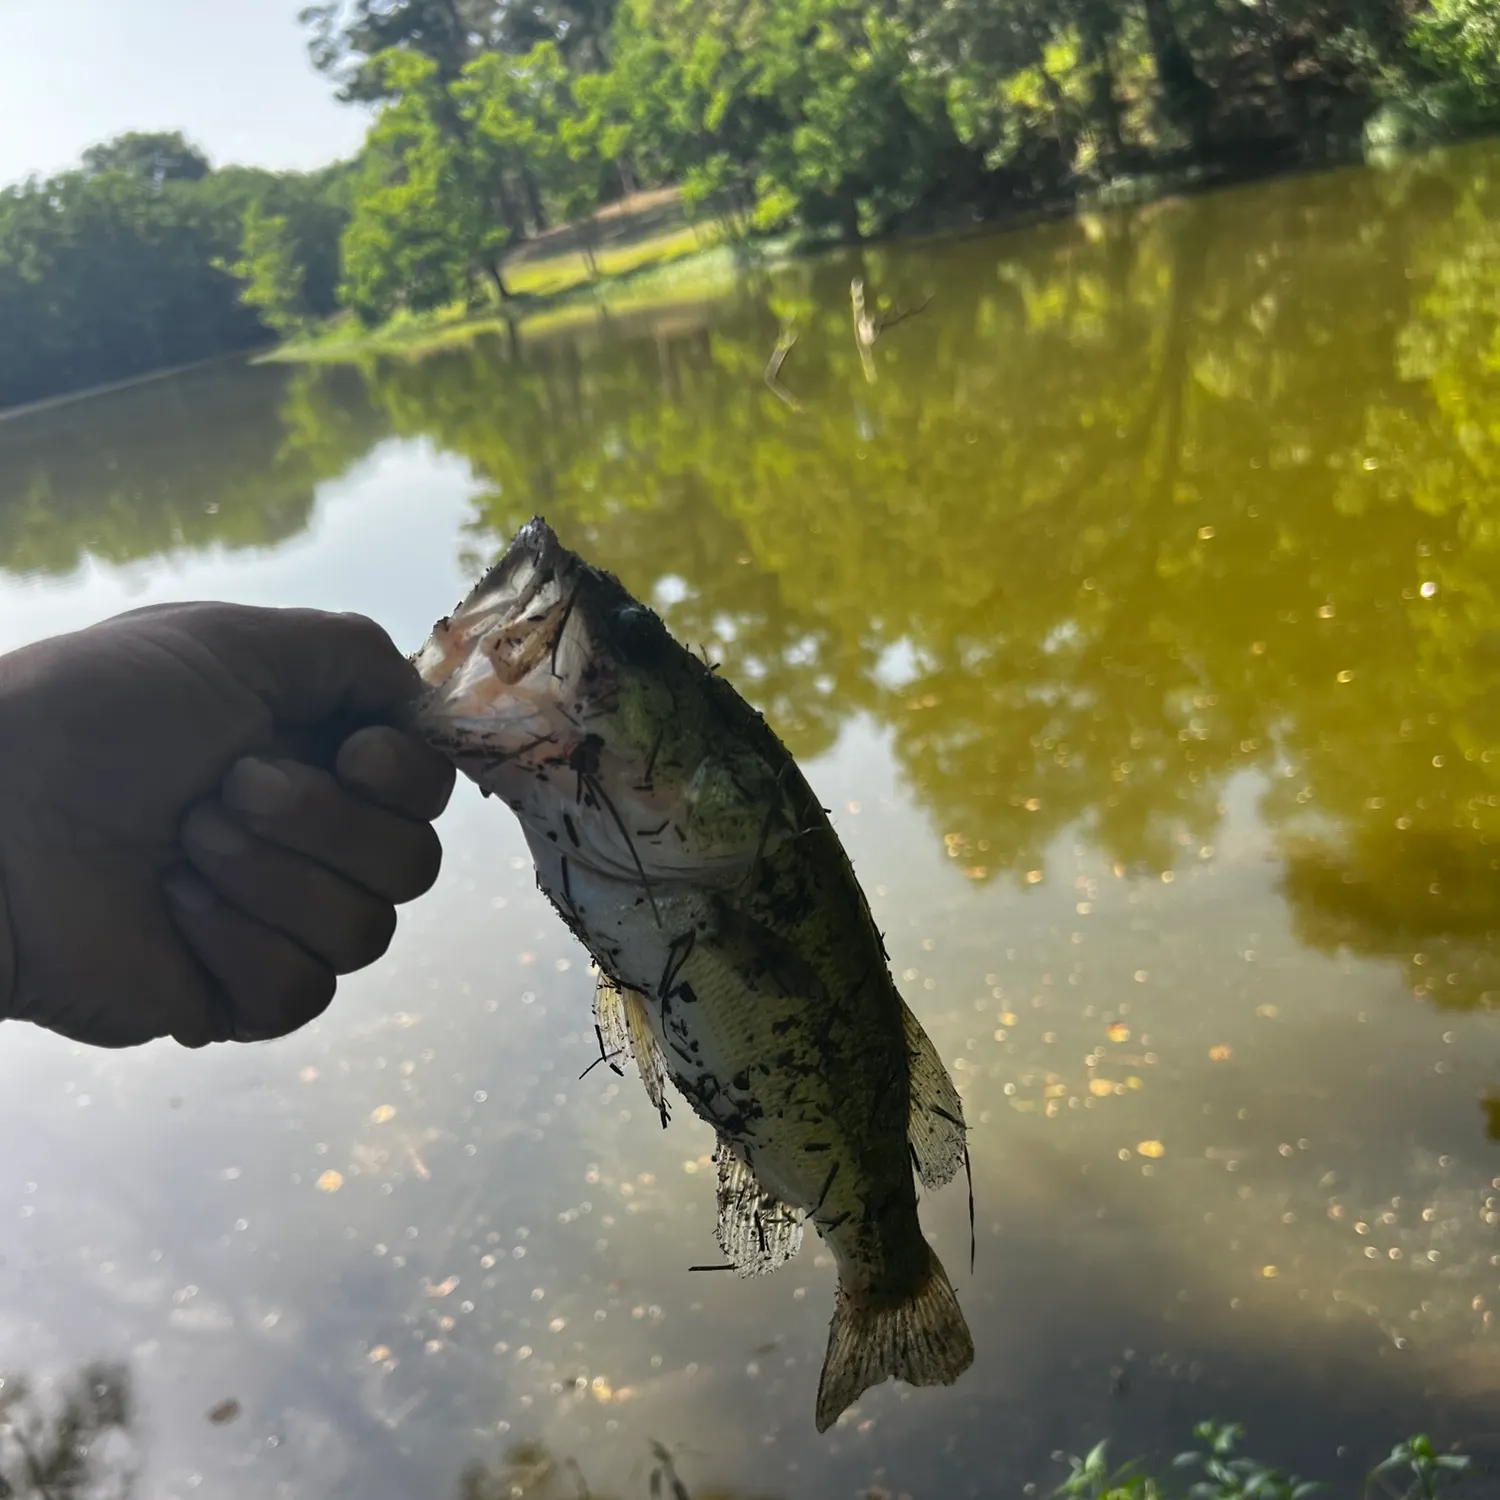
{"points": [[739, 964]]}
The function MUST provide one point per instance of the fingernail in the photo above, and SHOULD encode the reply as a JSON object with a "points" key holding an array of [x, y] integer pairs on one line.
{"points": [[185, 890], [372, 761], [210, 831], [256, 787]]}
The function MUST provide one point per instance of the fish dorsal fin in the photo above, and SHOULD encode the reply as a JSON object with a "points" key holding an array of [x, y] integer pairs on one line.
{"points": [[936, 1129], [756, 1230], [623, 1028]]}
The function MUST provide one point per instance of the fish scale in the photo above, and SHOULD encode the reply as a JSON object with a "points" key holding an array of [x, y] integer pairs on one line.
{"points": [[738, 958]]}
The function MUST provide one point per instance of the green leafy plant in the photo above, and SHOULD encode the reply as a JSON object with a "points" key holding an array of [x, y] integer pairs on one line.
{"points": [[1091, 1479], [1432, 1473], [1229, 1477], [1225, 1474]]}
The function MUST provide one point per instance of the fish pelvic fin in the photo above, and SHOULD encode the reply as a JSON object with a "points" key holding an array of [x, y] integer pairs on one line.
{"points": [[922, 1340], [936, 1128], [756, 1230], [620, 1015]]}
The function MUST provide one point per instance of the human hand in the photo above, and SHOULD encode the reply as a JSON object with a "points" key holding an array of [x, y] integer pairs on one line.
{"points": [[203, 820]]}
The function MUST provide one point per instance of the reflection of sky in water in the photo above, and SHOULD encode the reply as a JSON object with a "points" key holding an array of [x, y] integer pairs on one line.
{"points": [[362, 551], [1216, 1173]]}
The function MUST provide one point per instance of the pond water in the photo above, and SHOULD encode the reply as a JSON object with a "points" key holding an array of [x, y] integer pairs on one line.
{"points": [[1136, 609]]}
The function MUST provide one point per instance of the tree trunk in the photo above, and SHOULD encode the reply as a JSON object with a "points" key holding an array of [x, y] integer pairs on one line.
{"points": [[534, 199], [1271, 45], [1186, 98], [627, 176], [497, 280], [1104, 103], [505, 209], [1061, 125]]}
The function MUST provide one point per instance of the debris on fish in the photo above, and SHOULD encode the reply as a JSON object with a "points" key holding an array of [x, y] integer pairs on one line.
{"points": [[738, 957]]}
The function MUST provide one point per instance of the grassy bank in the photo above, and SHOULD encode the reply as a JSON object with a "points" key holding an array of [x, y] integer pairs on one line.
{"points": [[646, 255]]}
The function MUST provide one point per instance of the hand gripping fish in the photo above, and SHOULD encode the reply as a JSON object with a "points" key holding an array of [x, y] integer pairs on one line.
{"points": [[738, 958]]}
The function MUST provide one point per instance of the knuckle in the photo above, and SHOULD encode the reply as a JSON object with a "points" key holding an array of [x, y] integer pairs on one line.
{"points": [[364, 634]]}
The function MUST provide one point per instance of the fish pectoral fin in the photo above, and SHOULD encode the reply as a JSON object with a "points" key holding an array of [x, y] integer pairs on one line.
{"points": [[936, 1128], [756, 1230], [623, 1028]]}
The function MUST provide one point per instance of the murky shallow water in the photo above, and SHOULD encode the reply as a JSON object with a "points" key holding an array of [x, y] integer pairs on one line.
{"points": [[1138, 620]]}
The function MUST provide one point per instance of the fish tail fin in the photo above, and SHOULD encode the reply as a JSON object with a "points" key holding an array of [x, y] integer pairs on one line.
{"points": [[922, 1340]]}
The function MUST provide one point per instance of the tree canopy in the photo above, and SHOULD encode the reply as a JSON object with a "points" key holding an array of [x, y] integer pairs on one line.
{"points": [[123, 265]]}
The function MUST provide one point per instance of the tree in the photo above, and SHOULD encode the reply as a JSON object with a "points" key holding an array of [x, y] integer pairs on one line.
{"points": [[154, 157], [524, 126], [107, 276], [347, 36], [120, 267], [350, 38], [272, 279], [1186, 99], [868, 136], [1456, 45], [426, 224]]}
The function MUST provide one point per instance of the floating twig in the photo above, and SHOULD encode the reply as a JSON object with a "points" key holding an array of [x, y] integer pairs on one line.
{"points": [[897, 315]]}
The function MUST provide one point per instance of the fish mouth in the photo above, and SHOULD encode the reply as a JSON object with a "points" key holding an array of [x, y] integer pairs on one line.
{"points": [[502, 666], [507, 611]]}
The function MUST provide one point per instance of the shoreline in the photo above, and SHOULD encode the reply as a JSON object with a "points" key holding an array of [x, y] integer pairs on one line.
{"points": [[109, 388], [710, 271], [695, 277]]}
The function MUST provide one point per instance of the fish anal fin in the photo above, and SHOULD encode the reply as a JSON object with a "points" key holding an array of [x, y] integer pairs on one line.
{"points": [[756, 1230], [936, 1129], [609, 1015], [623, 1028], [922, 1339]]}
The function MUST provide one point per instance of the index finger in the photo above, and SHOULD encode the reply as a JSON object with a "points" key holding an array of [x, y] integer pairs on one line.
{"points": [[306, 665]]}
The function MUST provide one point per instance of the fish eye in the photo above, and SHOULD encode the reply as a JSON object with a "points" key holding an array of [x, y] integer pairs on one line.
{"points": [[634, 627]]}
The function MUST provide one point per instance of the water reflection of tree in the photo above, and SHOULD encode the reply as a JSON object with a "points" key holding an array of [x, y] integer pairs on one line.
{"points": [[1141, 502], [76, 1444], [531, 1471], [225, 457]]}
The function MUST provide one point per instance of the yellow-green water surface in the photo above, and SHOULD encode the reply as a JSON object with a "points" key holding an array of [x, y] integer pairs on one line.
{"points": [[1135, 606]]}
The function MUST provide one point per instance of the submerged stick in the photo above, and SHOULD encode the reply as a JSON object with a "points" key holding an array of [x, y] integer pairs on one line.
{"points": [[773, 369], [868, 328]]}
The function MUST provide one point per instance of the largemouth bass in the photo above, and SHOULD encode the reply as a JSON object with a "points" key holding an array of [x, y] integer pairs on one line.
{"points": [[738, 958]]}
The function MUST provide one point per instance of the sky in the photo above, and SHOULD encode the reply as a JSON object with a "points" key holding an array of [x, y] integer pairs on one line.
{"points": [[232, 75]]}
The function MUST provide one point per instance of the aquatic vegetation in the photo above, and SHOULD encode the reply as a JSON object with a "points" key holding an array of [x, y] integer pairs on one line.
{"points": [[1420, 1471]]}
